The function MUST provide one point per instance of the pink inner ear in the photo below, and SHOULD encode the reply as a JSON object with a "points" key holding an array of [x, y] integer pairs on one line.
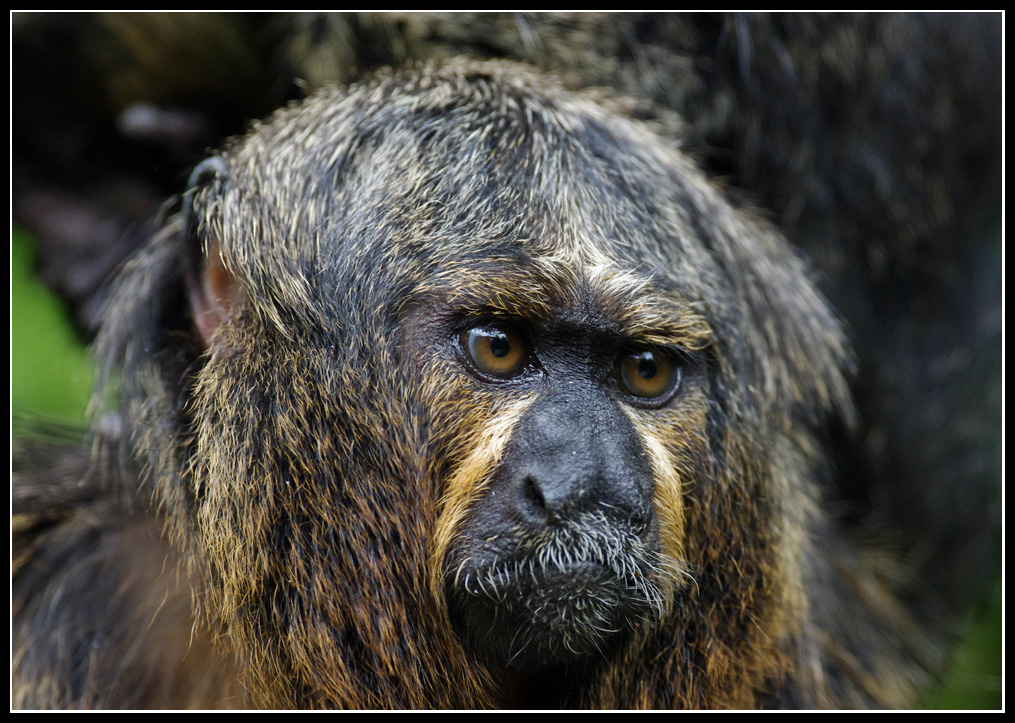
{"points": [[214, 297]]}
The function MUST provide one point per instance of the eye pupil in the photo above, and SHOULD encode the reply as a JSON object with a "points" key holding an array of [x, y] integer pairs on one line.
{"points": [[500, 346], [647, 367]]}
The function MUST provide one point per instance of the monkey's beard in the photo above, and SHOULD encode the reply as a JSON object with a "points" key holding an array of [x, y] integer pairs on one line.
{"points": [[567, 593]]}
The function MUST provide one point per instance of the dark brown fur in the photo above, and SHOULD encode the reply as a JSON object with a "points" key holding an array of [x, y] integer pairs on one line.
{"points": [[312, 448]]}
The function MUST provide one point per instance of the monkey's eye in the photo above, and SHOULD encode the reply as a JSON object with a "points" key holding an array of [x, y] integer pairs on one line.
{"points": [[651, 377], [497, 351]]}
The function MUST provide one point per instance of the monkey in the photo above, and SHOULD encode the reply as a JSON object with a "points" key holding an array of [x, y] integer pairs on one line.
{"points": [[484, 279], [419, 538]]}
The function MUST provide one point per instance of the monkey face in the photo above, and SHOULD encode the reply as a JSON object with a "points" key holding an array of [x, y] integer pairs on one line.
{"points": [[549, 544], [553, 387], [558, 556], [486, 365]]}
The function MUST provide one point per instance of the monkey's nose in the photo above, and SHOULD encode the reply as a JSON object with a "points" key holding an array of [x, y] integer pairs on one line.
{"points": [[564, 462], [543, 501]]}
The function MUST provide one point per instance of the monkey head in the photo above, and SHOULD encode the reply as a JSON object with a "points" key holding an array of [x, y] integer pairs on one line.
{"points": [[455, 372]]}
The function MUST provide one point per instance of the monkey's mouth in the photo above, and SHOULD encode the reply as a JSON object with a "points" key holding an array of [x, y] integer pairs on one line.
{"points": [[579, 593]]}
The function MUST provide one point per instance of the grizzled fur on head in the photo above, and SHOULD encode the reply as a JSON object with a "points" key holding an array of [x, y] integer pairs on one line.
{"points": [[318, 448]]}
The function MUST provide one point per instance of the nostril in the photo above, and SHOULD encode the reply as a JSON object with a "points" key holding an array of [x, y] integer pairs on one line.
{"points": [[533, 498], [641, 518]]}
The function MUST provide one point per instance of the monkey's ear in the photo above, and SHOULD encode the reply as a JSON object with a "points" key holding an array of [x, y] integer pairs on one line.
{"points": [[213, 292], [212, 289]]}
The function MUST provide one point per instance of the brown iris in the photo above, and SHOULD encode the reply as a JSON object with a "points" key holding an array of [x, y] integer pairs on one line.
{"points": [[497, 351], [648, 375]]}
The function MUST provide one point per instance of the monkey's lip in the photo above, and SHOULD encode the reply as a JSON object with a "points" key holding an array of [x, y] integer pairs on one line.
{"points": [[533, 618], [582, 573]]}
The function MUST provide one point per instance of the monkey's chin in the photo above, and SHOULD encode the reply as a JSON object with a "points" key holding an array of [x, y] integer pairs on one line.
{"points": [[524, 617]]}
